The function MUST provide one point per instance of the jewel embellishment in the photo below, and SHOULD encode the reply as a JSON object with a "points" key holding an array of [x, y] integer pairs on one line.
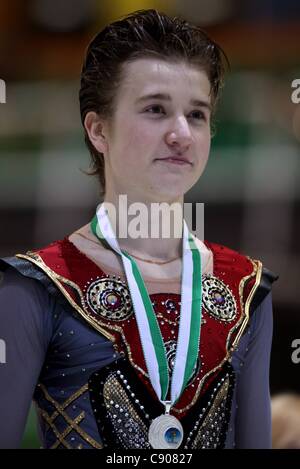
{"points": [[171, 354], [170, 305], [218, 299], [110, 299]]}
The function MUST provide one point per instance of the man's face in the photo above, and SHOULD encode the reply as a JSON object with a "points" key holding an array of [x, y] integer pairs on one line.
{"points": [[162, 111]]}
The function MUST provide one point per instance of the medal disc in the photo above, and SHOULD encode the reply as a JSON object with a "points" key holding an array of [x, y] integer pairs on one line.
{"points": [[165, 432]]}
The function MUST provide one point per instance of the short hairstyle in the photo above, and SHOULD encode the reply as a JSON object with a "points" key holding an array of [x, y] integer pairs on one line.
{"points": [[144, 33]]}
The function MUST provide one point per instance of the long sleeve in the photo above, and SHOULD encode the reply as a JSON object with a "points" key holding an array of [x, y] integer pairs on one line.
{"points": [[24, 307], [251, 418]]}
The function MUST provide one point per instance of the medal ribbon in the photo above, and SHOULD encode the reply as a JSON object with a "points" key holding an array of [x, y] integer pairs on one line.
{"points": [[190, 312]]}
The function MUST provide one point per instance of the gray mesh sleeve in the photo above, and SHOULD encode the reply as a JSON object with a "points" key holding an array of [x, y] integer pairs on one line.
{"points": [[25, 332]]}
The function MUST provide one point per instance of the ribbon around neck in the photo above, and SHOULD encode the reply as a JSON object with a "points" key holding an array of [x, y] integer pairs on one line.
{"points": [[150, 335]]}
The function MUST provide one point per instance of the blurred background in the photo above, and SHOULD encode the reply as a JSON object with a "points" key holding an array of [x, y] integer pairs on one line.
{"points": [[251, 187]]}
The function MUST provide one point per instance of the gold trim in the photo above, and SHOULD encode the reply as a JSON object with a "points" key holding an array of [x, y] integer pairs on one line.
{"points": [[257, 269], [61, 436], [68, 430], [60, 439], [60, 411], [72, 398], [37, 260], [242, 319], [258, 272]]}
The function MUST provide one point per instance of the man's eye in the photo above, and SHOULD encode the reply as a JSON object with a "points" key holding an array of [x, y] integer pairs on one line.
{"points": [[199, 115], [156, 109]]}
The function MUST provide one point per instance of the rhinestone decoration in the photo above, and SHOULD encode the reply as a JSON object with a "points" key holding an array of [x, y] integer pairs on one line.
{"points": [[217, 299], [124, 415], [209, 433], [170, 305], [171, 354], [110, 299], [127, 425]]}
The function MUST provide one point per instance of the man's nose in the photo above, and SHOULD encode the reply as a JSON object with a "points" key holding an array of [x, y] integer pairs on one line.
{"points": [[179, 133]]}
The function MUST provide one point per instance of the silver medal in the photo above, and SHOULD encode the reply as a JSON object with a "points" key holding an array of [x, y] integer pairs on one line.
{"points": [[165, 432]]}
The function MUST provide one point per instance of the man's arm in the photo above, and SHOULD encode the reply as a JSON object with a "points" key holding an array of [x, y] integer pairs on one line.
{"points": [[253, 413], [25, 331]]}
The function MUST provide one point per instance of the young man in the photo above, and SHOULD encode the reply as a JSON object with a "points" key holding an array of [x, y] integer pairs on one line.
{"points": [[140, 342]]}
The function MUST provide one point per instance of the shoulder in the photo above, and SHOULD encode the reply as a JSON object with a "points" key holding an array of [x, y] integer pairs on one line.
{"points": [[36, 263], [225, 256], [26, 308], [12, 275], [16, 284], [43, 270], [242, 264]]}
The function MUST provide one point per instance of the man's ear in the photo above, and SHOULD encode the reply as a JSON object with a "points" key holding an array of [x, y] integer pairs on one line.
{"points": [[94, 126]]}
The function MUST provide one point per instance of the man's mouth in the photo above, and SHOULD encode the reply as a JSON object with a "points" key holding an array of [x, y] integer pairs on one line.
{"points": [[179, 160]]}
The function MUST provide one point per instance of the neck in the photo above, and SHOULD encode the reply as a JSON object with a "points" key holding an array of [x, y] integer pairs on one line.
{"points": [[144, 230]]}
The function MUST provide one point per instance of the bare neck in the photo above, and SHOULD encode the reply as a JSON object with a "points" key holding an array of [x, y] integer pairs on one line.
{"points": [[144, 230]]}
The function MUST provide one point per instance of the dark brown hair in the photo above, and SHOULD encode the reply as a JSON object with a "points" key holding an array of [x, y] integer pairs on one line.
{"points": [[144, 33]]}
